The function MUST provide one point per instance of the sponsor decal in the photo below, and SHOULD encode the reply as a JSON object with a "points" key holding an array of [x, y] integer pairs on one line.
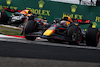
{"points": [[11, 7], [41, 4], [73, 8], [8, 2], [97, 19], [73, 15], [41, 12], [94, 25]]}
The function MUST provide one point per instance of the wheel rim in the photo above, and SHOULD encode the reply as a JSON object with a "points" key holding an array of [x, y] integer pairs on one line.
{"points": [[78, 35]]}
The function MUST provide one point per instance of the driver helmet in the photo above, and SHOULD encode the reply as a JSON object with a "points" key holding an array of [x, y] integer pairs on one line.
{"points": [[63, 23], [26, 12], [67, 18]]}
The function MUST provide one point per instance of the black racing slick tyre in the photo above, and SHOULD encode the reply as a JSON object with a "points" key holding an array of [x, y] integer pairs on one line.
{"points": [[29, 28], [74, 32], [3, 18], [92, 37], [30, 38]]}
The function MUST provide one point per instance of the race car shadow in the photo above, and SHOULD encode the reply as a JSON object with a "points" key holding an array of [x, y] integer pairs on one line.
{"points": [[63, 43]]}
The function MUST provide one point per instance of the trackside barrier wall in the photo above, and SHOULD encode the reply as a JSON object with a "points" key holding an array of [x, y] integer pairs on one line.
{"points": [[52, 10]]}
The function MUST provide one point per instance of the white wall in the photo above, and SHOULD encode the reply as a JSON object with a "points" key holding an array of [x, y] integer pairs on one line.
{"points": [[68, 1], [84, 2]]}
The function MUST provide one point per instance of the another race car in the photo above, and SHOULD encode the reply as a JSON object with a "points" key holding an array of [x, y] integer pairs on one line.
{"points": [[68, 30], [32, 26], [35, 28], [17, 19]]}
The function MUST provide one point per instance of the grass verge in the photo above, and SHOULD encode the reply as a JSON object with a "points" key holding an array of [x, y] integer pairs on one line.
{"points": [[9, 31]]}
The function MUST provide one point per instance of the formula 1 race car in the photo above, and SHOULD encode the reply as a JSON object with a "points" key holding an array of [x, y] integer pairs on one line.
{"points": [[35, 28], [71, 32], [17, 19], [32, 26]]}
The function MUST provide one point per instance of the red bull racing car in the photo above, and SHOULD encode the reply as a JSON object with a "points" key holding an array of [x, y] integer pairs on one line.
{"points": [[35, 28], [69, 30], [62, 30]]}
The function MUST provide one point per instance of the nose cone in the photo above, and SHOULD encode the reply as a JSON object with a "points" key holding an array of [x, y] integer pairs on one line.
{"points": [[48, 32]]}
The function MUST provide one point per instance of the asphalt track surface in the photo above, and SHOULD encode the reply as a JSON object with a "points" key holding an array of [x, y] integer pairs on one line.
{"points": [[19, 52]]}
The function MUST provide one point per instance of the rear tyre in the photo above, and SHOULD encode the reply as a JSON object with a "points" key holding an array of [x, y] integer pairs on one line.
{"points": [[3, 18], [29, 28], [74, 32], [92, 37]]}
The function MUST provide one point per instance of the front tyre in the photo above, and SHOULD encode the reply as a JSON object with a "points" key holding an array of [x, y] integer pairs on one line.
{"points": [[29, 28], [30, 38], [92, 37], [74, 32]]}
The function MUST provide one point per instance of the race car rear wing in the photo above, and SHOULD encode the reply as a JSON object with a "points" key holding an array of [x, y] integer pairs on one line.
{"points": [[80, 21], [12, 10]]}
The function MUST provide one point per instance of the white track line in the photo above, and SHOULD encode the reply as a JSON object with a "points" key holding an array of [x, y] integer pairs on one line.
{"points": [[5, 36], [54, 44]]}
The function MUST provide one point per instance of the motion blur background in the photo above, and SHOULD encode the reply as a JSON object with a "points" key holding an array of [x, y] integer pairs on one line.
{"points": [[51, 9]]}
